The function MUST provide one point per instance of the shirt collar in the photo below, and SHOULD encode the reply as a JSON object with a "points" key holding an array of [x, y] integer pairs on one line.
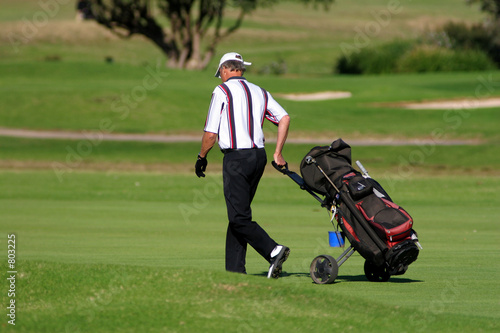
{"points": [[236, 78]]}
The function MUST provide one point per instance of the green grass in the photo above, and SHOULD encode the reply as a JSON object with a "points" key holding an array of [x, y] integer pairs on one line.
{"points": [[122, 237], [67, 155], [104, 252], [59, 79], [312, 47], [113, 98]]}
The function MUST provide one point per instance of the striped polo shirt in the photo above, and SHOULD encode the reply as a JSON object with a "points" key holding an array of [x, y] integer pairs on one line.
{"points": [[237, 111]]}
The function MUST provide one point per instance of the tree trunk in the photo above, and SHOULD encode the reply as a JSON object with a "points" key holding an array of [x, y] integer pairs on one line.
{"points": [[182, 45], [195, 59]]}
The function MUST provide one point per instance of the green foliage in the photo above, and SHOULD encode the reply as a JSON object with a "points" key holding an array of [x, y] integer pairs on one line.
{"points": [[414, 57], [373, 60], [457, 46], [463, 36], [308, 39], [195, 28], [277, 67], [481, 37], [491, 7], [432, 59]]}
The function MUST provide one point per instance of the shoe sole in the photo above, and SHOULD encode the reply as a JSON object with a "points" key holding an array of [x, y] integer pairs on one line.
{"points": [[276, 270]]}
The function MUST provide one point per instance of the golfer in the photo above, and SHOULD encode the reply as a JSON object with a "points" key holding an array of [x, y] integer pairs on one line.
{"points": [[236, 115]]}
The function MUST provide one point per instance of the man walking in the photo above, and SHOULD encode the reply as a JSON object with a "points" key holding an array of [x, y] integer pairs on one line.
{"points": [[236, 115]]}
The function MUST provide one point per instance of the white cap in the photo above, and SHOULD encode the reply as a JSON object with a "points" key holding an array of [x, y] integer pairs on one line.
{"points": [[230, 56]]}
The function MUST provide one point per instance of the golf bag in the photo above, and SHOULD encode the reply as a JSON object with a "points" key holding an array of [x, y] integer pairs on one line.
{"points": [[380, 230]]}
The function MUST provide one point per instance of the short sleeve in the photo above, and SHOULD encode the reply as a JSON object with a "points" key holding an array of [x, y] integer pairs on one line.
{"points": [[274, 111], [214, 111]]}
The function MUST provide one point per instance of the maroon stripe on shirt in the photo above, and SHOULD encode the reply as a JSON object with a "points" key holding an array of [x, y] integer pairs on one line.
{"points": [[250, 112], [271, 117], [230, 108]]}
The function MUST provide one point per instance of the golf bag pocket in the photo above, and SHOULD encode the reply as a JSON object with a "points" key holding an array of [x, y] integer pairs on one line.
{"points": [[359, 187], [358, 237], [391, 222]]}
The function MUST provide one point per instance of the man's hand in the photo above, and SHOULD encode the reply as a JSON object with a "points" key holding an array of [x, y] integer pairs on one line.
{"points": [[279, 159], [201, 166]]}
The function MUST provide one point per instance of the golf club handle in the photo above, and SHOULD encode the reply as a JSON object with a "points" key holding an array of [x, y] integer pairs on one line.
{"points": [[310, 160], [362, 168]]}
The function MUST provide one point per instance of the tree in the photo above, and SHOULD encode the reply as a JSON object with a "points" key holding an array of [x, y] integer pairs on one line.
{"points": [[492, 27], [489, 6], [190, 22]]}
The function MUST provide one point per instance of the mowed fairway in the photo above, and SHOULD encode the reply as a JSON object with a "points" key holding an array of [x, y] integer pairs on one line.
{"points": [[123, 237], [126, 252]]}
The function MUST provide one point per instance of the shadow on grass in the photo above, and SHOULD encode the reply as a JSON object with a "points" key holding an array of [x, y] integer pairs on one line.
{"points": [[356, 278], [284, 274], [344, 278]]}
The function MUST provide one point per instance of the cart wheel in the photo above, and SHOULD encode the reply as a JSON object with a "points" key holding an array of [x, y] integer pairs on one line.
{"points": [[376, 273], [324, 269]]}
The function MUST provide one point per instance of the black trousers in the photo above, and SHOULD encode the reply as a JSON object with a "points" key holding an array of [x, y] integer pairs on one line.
{"points": [[242, 171]]}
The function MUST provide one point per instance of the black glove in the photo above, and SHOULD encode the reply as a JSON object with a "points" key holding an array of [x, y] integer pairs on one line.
{"points": [[201, 166]]}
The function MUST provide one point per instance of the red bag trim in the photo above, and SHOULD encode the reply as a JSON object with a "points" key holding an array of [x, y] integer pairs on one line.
{"points": [[346, 177], [349, 228]]}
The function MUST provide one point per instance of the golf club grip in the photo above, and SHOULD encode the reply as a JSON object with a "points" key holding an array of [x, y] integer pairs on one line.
{"points": [[362, 168]]}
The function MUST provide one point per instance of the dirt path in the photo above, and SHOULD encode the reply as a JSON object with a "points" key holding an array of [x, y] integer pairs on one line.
{"points": [[100, 136], [453, 104], [325, 95]]}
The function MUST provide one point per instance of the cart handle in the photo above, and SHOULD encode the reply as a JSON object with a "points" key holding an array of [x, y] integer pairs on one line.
{"points": [[299, 180], [283, 169]]}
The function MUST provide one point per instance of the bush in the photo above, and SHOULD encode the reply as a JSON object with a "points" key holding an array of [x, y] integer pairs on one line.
{"points": [[464, 37], [437, 59], [373, 60], [484, 37], [276, 68], [412, 56]]}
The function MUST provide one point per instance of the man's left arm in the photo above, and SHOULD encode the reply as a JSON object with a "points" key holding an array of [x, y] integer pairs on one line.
{"points": [[207, 142], [209, 136]]}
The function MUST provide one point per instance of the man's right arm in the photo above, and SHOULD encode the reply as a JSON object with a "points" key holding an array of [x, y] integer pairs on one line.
{"points": [[277, 114], [283, 126]]}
